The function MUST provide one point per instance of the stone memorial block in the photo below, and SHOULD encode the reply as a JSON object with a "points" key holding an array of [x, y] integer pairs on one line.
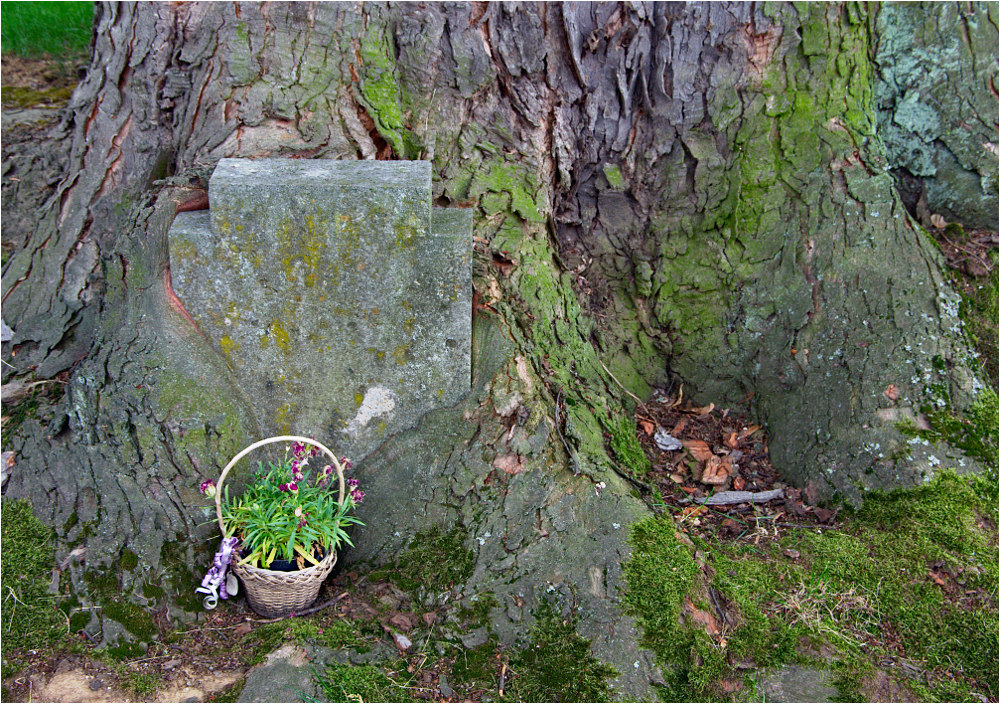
{"points": [[340, 298]]}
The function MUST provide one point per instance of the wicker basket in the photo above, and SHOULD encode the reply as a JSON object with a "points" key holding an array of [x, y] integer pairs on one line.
{"points": [[273, 594]]}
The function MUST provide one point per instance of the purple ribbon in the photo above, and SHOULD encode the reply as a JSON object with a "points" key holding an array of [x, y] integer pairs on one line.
{"points": [[214, 583]]}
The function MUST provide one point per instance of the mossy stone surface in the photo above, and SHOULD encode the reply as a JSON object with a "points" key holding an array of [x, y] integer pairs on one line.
{"points": [[335, 292]]}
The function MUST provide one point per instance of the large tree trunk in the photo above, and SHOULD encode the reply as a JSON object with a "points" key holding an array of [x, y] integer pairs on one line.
{"points": [[694, 194]]}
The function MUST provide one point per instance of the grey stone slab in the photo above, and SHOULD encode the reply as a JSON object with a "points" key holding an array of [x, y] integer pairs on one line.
{"points": [[341, 302], [286, 676]]}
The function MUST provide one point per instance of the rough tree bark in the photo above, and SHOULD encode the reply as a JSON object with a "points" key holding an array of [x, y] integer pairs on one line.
{"points": [[694, 194]]}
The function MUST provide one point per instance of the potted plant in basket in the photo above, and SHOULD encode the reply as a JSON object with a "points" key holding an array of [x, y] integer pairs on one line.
{"points": [[281, 535]]}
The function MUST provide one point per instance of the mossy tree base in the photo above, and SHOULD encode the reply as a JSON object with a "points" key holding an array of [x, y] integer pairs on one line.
{"points": [[668, 194]]}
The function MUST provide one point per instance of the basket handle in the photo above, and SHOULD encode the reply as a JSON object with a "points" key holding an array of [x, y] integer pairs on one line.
{"points": [[268, 441]]}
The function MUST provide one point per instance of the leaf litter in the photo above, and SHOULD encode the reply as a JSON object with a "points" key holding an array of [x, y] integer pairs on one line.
{"points": [[705, 454]]}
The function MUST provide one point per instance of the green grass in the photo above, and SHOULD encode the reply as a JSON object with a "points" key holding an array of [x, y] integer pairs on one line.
{"points": [[31, 29], [31, 617]]}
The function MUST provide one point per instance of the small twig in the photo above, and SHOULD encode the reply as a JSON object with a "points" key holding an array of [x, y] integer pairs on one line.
{"points": [[725, 498], [804, 526], [624, 475], [637, 399], [722, 614], [576, 465], [206, 628], [503, 677], [296, 614]]}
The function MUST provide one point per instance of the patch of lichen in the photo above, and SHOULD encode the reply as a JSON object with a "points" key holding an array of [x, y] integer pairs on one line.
{"points": [[31, 615], [24, 97], [975, 431], [219, 437], [557, 665]]}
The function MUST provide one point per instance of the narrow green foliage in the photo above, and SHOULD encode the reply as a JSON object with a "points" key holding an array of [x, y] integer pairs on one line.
{"points": [[56, 28], [31, 617], [283, 515], [557, 665]]}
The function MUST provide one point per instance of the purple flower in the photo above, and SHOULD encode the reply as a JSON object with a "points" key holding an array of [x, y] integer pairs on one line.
{"points": [[357, 495], [352, 482], [346, 463], [302, 522], [282, 487], [313, 451], [208, 488], [299, 450], [293, 487]]}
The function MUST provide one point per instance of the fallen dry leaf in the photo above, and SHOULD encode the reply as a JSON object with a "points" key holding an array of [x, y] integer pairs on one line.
{"points": [[429, 618], [677, 477], [676, 432], [692, 511], [647, 427], [703, 618], [747, 432], [824, 515], [717, 471], [402, 622], [699, 450], [739, 483], [891, 392], [731, 442], [242, 629], [698, 410]]}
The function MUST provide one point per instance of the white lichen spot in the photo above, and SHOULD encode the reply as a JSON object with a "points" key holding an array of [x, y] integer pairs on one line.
{"points": [[378, 402], [933, 460]]}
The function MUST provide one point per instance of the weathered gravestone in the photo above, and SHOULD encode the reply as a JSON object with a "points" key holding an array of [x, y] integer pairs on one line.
{"points": [[340, 298]]}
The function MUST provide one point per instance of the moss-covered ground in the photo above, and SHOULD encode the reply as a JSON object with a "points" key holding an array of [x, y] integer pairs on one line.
{"points": [[31, 615], [906, 585]]}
